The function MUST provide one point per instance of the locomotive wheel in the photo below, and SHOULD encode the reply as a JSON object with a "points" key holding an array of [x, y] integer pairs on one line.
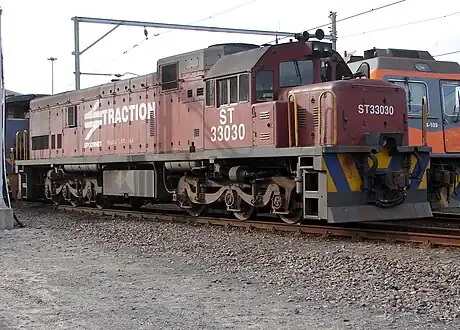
{"points": [[102, 202], [293, 217], [56, 200], [247, 211], [196, 210], [136, 204], [75, 202]]}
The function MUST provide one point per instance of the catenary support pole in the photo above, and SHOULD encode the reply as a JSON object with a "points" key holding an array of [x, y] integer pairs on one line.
{"points": [[77, 20], [76, 52], [6, 212]]}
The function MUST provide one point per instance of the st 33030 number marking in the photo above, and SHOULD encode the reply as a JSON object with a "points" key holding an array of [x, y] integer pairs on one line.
{"points": [[376, 109], [227, 130]]}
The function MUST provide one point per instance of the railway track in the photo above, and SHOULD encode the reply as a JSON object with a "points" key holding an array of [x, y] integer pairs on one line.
{"points": [[387, 231]]}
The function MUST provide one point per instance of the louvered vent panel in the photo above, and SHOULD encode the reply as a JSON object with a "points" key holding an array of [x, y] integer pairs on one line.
{"points": [[315, 116], [302, 115], [152, 126], [264, 136], [264, 115]]}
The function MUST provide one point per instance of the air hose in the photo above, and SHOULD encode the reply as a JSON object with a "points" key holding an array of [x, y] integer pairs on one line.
{"points": [[384, 203]]}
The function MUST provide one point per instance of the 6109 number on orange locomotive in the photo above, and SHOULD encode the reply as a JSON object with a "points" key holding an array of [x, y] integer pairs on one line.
{"points": [[281, 128]]}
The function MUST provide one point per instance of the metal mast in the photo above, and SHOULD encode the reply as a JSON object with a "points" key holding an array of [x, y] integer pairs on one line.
{"points": [[77, 20]]}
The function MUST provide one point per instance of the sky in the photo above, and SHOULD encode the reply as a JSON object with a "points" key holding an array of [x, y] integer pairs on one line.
{"points": [[32, 31]]}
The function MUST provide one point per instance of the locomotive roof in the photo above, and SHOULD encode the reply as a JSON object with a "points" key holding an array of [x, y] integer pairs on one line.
{"points": [[13, 98], [403, 60], [237, 62], [92, 91], [205, 58], [407, 64]]}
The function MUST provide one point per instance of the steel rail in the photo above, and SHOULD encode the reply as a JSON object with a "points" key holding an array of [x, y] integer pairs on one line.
{"points": [[393, 233]]}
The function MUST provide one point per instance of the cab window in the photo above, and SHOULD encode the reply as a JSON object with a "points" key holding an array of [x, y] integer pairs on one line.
{"points": [[232, 90], [264, 86], [415, 91], [296, 73], [210, 85], [451, 98]]}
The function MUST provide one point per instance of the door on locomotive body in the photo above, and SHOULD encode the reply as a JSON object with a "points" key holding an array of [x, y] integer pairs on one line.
{"points": [[450, 97], [417, 88], [262, 109]]}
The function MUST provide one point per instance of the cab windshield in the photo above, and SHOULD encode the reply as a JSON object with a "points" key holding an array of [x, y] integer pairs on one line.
{"points": [[296, 73], [451, 97]]}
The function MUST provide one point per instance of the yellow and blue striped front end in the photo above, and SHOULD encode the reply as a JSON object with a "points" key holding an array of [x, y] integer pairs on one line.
{"points": [[388, 184]]}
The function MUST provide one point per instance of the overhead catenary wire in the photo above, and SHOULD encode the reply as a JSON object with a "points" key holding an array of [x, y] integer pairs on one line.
{"points": [[137, 44], [194, 22], [164, 32], [402, 25], [348, 17], [448, 53]]}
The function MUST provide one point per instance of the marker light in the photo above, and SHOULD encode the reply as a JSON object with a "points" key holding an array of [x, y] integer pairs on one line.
{"points": [[422, 67]]}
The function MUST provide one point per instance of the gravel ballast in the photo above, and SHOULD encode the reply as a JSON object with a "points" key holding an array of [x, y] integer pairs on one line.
{"points": [[66, 270]]}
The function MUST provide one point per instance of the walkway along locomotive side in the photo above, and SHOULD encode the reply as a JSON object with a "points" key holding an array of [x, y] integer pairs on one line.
{"points": [[281, 128], [438, 82]]}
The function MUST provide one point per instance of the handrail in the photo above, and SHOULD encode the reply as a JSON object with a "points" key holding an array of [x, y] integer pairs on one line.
{"points": [[334, 113], [296, 119], [424, 120], [289, 121], [21, 150], [17, 146], [26, 144]]}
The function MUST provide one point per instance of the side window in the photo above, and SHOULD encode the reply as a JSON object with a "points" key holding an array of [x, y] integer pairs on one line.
{"points": [[40, 142], [233, 89], [244, 87], [53, 141], [169, 77], [227, 91], [364, 69], [72, 116], [451, 98], [222, 86], [59, 141], [296, 73], [210, 85], [264, 86], [415, 91]]}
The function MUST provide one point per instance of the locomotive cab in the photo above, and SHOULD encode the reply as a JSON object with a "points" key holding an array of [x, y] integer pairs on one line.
{"points": [[352, 133]]}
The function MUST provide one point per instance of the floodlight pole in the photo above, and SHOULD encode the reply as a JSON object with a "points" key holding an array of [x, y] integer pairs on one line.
{"points": [[77, 20], [52, 59]]}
